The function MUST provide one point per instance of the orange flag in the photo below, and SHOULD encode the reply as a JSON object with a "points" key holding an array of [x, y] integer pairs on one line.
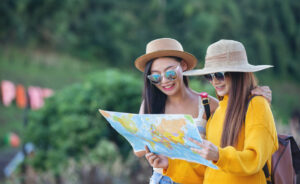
{"points": [[21, 96]]}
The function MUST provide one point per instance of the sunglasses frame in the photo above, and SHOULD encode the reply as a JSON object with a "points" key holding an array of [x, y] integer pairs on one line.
{"points": [[213, 75], [164, 74]]}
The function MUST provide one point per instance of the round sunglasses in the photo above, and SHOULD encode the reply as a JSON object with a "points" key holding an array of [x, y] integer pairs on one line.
{"points": [[220, 76], [169, 74]]}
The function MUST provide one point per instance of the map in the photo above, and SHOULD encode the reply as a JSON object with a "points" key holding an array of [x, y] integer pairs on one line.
{"points": [[165, 134]]}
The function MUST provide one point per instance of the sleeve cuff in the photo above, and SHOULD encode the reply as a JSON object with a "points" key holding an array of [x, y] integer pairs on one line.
{"points": [[223, 157], [170, 168]]}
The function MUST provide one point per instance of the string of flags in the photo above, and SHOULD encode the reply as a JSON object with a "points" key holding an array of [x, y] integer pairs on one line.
{"points": [[35, 99]]}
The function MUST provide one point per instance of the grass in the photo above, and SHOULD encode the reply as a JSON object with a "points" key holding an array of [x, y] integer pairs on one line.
{"points": [[42, 68]]}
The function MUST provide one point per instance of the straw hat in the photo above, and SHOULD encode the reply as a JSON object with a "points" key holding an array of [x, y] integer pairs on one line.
{"points": [[226, 56], [164, 47]]}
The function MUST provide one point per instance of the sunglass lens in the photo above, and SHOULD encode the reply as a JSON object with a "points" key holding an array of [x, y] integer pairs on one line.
{"points": [[171, 75], [219, 76], [208, 77], [154, 78]]}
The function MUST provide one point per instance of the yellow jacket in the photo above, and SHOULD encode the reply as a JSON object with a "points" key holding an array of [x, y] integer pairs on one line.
{"points": [[242, 163]]}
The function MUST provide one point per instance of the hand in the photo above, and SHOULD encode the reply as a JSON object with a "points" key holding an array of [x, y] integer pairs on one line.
{"points": [[209, 151], [264, 91], [156, 161]]}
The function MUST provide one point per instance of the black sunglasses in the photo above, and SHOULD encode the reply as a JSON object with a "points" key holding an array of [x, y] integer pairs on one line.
{"points": [[220, 76]]}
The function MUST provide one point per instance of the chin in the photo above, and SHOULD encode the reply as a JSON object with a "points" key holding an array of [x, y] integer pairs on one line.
{"points": [[169, 93], [221, 94]]}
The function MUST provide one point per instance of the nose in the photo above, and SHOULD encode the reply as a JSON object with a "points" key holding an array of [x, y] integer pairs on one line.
{"points": [[214, 80], [164, 79]]}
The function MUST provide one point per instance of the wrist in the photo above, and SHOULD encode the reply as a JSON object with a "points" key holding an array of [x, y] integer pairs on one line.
{"points": [[167, 166], [216, 155]]}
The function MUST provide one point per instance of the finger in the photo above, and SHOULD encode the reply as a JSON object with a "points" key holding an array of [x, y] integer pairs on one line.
{"points": [[256, 91], [152, 158], [266, 88], [198, 152], [148, 155], [147, 149], [206, 145], [156, 161], [196, 142]]}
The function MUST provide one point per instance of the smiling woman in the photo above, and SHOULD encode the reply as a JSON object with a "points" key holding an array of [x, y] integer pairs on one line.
{"points": [[237, 133], [166, 90]]}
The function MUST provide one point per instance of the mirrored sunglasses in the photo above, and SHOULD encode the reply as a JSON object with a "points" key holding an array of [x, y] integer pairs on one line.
{"points": [[157, 78], [220, 76]]}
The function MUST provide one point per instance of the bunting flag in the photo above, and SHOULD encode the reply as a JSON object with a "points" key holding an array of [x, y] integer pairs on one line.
{"points": [[35, 97], [8, 92], [47, 92], [21, 97]]}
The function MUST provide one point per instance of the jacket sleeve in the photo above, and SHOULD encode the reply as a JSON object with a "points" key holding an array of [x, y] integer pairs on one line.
{"points": [[182, 171], [259, 145]]}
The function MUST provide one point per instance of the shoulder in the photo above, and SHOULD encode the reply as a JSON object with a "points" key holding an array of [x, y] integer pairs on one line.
{"points": [[259, 111], [259, 116], [258, 101], [214, 103]]}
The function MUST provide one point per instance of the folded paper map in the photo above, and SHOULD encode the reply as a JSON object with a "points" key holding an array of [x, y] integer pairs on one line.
{"points": [[165, 134]]}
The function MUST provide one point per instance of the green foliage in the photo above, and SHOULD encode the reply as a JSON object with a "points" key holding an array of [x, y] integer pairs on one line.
{"points": [[199, 85], [117, 31], [70, 126]]}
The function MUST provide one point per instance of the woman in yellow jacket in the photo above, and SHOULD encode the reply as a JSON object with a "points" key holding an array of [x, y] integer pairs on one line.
{"points": [[241, 135]]}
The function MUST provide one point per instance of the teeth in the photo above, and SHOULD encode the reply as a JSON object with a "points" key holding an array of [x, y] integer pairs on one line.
{"points": [[167, 87], [219, 87]]}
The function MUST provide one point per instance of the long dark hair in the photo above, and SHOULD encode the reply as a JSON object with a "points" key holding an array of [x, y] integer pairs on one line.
{"points": [[239, 93], [154, 99]]}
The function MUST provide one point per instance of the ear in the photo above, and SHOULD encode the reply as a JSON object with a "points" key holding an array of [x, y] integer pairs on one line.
{"points": [[183, 65]]}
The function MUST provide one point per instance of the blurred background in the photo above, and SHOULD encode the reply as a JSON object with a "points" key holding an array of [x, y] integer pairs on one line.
{"points": [[62, 60]]}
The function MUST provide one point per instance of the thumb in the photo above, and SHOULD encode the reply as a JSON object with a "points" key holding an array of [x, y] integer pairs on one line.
{"points": [[147, 149]]}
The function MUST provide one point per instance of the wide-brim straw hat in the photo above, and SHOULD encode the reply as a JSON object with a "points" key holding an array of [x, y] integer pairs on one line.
{"points": [[226, 56], [164, 47]]}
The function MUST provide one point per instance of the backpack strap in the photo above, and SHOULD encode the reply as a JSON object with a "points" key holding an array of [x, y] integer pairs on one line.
{"points": [[205, 102], [267, 174], [295, 154]]}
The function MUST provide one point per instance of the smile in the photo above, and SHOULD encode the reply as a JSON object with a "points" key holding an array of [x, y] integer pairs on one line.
{"points": [[219, 88], [168, 87]]}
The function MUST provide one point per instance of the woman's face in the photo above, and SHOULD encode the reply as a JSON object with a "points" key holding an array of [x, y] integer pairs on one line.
{"points": [[222, 86], [161, 66]]}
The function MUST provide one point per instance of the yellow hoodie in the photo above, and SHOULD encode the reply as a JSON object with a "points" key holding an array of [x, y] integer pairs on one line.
{"points": [[242, 163]]}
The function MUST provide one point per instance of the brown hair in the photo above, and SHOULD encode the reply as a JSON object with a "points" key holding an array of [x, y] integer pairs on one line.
{"points": [[239, 93]]}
